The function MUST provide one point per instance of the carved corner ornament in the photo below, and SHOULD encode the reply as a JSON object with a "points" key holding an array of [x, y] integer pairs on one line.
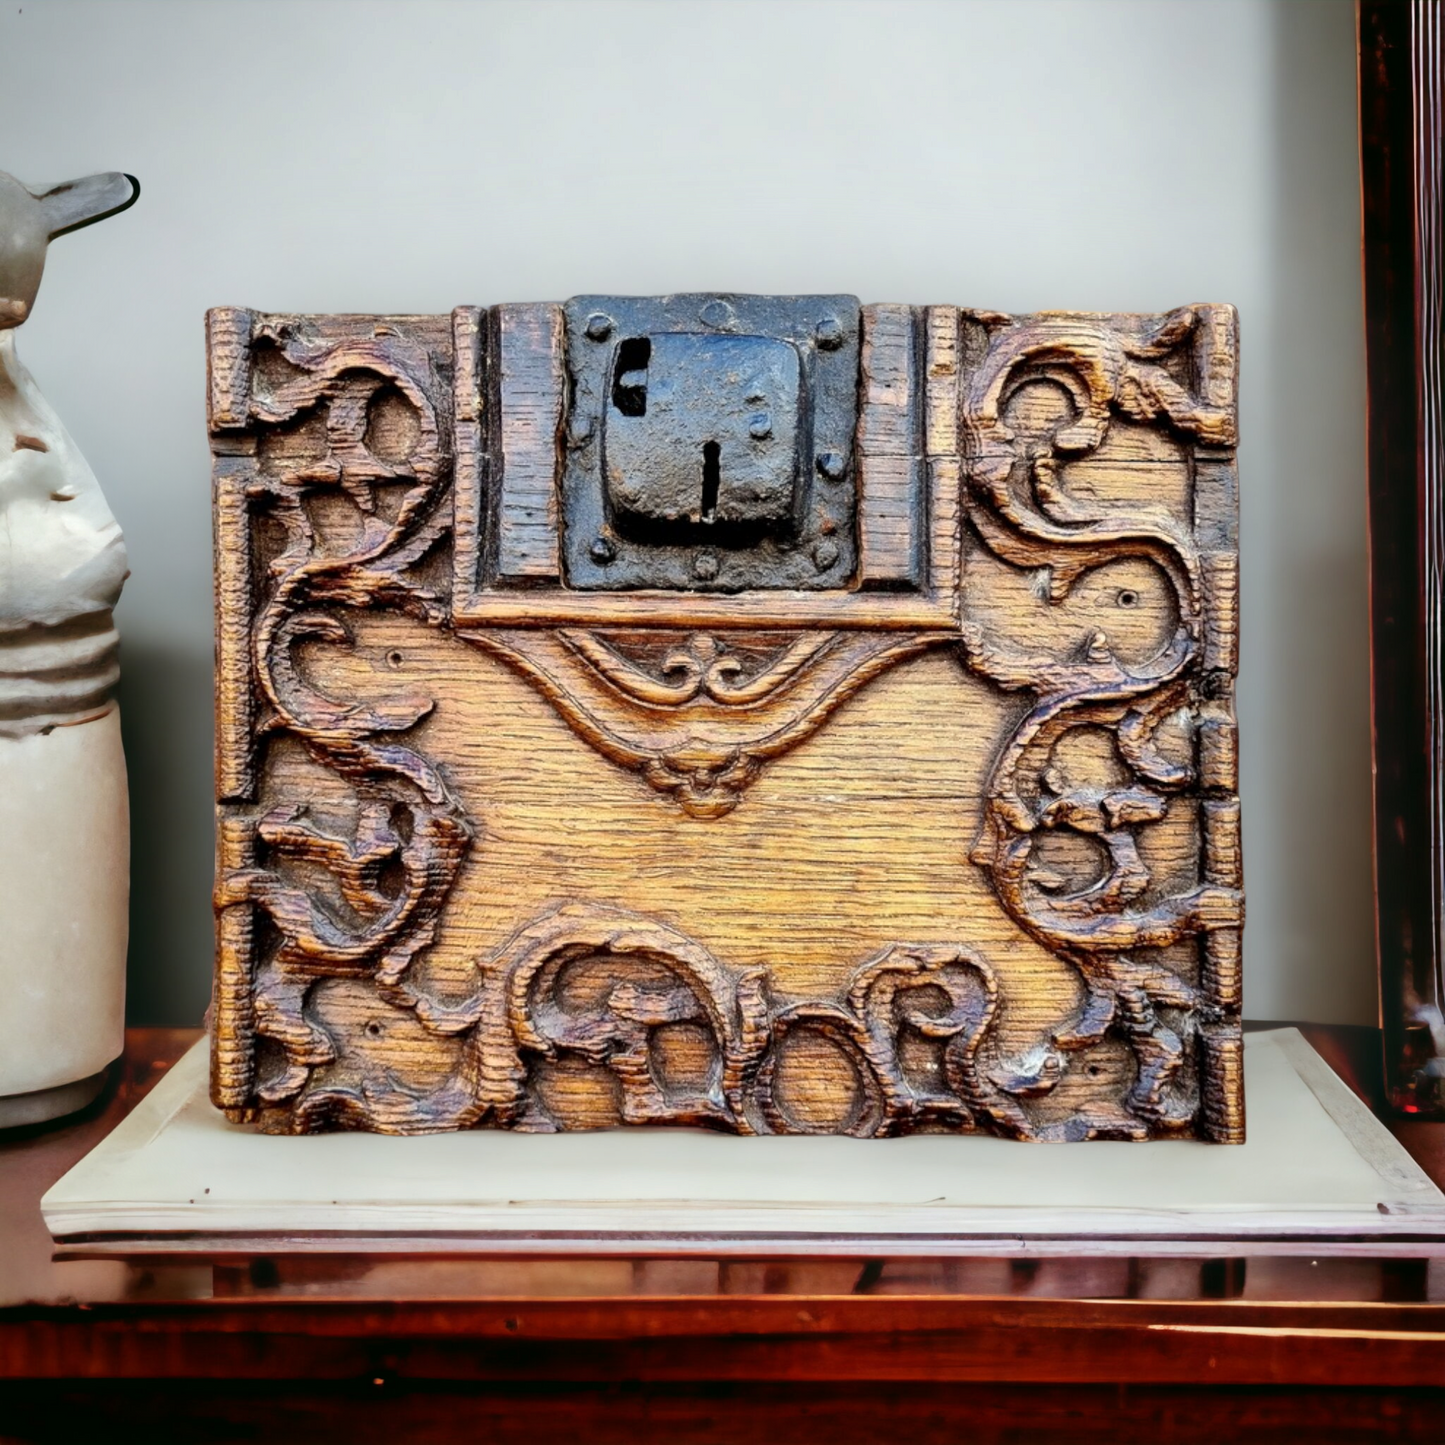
{"points": [[769, 714]]}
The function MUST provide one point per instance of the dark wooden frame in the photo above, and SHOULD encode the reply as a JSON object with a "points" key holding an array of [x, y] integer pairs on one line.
{"points": [[1401, 74]]}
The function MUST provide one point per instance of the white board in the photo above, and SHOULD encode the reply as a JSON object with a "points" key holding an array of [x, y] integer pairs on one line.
{"points": [[1318, 1170]]}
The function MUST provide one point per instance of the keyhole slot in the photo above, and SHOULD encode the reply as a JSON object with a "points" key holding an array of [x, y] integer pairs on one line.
{"points": [[711, 479], [629, 380]]}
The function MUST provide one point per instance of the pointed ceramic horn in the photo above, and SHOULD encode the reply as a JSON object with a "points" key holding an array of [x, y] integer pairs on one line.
{"points": [[31, 217], [73, 204]]}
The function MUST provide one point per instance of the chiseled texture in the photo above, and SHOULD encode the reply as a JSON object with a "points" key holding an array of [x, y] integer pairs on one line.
{"points": [[953, 845]]}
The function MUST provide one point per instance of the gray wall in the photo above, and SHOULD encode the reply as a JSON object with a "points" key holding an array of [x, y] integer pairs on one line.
{"points": [[1017, 154]]}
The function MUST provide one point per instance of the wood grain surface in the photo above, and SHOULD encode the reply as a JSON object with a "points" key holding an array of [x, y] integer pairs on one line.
{"points": [[954, 847]]}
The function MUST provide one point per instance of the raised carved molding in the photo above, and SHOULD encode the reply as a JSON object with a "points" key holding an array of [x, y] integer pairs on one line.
{"points": [[1051, 451], [685, 711], [647, 978]]}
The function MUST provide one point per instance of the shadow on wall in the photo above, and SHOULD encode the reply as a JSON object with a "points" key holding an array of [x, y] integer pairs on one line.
{"points": [[166, 718], [1312, 725]]}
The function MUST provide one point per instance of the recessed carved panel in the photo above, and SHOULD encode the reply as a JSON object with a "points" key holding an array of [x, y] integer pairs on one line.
{"points": [[948, 840]]}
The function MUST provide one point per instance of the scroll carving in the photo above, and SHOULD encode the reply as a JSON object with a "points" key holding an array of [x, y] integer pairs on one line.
{"points": [[1022, 514], [1106, 825], [697, 716], [394, 869], [600, 986]]}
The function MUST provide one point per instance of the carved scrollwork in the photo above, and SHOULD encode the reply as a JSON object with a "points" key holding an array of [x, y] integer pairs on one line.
{"points": [[647, 977], [601, 986], [968, 1087], [695, 715], [1105, 824], [1024, 514], [733, 672], [393, 869]]}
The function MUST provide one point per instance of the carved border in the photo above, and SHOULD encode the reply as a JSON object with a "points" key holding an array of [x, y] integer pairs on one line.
{"points": [[1022, 515], [395, 872]]}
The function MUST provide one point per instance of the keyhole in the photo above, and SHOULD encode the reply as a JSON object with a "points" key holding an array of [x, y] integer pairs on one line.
{"points": [[629, 382], [711, 479]]}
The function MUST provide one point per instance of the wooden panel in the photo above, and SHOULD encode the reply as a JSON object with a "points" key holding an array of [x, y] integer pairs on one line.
{"points": [[530, 382], [848, 860], [740, 1338], [233, 1014], [235, 709], [228, 368], [1402, 71], [383, 1409], [890, 465], [469, 465]]}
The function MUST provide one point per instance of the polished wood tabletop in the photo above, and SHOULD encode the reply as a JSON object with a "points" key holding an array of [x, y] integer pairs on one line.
{"points": [[427, 1347]]}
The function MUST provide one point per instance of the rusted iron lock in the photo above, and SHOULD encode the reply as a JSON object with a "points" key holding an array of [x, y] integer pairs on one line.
{"points": [[710, 441]]}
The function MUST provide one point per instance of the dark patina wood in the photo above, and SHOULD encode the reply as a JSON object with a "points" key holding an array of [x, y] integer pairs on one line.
{"points": [[1404, 229]]}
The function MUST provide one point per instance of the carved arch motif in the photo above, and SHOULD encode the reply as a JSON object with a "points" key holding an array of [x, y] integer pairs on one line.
{"points": [[695, 715]]}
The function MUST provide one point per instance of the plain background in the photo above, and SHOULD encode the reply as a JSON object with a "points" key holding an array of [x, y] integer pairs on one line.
{"points": [[1114, 155]]}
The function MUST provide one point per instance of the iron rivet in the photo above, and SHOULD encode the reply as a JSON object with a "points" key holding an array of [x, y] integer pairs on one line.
{"points": [[829, 334], [832, 465], [704, 566], [824, 555], [599, 327], [761, 426], [602, 551], [716, 314]]}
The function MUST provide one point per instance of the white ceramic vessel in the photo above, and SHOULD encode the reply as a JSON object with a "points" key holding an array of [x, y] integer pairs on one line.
{"points": [[64, 823]]}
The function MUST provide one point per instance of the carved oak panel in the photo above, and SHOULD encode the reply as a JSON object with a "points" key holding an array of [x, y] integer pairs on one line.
{"points": [[891, 788]]}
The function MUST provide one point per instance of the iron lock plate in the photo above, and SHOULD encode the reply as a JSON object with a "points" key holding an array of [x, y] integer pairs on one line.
{"points": [[708, 442]]}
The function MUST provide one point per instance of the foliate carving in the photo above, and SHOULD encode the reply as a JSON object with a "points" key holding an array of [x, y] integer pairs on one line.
{"points": [[1024, 515], [600, 987], [1089, 461], [695, 716], [735, 672], [354, 415]]}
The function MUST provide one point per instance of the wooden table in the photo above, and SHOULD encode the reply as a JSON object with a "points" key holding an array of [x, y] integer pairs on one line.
{"points": [[429, 1348]]}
